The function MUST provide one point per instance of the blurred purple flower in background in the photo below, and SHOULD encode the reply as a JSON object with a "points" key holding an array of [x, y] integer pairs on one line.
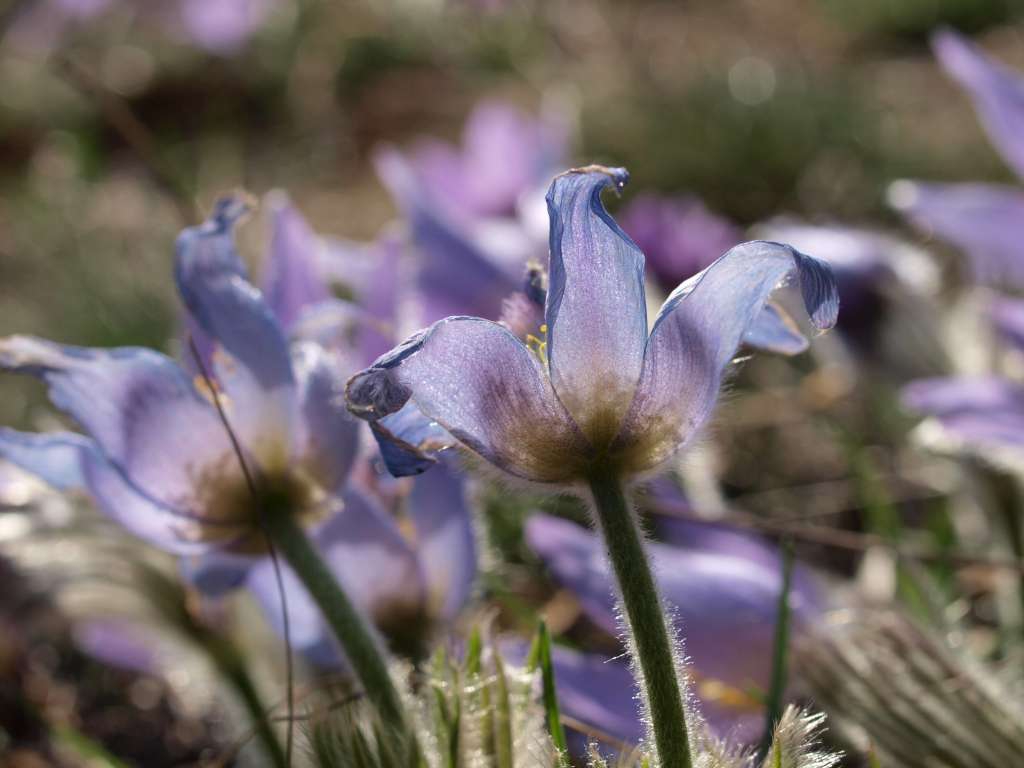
{"points": [[597, 386], [217, 26], [158, 460], [472, 211], [982, 219], [678, 235], [723, 589]]}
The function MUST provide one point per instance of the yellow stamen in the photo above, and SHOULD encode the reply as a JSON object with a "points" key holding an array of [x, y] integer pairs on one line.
{"points": [[538, 345]]}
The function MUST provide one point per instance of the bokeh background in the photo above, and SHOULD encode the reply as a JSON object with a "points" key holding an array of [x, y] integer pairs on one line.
{"points": [[120, 124]]}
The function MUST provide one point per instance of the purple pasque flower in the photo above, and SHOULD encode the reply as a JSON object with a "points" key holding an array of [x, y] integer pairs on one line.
{"points": [[679, 236], [471, 210], [722, 588], [981, 219], [597, 388], [155, 455]]}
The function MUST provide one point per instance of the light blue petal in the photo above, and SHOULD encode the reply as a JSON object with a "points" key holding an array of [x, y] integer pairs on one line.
{"points": [[478, 382], [444, 539], [697, 333], [143, 412], [596, 311], [55, 457], [774, 331], [258, 377]]}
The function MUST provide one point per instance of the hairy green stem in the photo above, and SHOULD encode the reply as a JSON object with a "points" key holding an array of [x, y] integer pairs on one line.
{"points": [[652, 640], [361, 648]]}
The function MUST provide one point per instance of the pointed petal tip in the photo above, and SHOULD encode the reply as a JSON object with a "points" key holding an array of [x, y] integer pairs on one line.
{"points": [[618, 177]]}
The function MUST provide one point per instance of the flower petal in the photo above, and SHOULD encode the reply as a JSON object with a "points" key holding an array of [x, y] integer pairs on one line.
{"points": [[982, 411], [332, 433], [725, 605], [997, 91], [596, 311], [409, 442], [444, 539], [477, 381], [373, 564], [291, 281], [258, 379], [982, 219], [216, 573], [774, 331], [54, 457], [454, 276], [1008, 319], [141, 409], [697, 333]]}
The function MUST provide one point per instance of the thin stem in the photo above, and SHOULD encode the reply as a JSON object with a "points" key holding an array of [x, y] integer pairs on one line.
{"points": [[652, 641], [780, 652], [232, 667], [361, 649]]}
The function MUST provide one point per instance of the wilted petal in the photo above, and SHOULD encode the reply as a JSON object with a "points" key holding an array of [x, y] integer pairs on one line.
{"points": [[55, 457], [292, 281], [697, 333], [332, 433], [983, 411], [596, 307], [444, 539], [477, 381], [141, 409], [982, 219], [997, 91], [258, 378]]}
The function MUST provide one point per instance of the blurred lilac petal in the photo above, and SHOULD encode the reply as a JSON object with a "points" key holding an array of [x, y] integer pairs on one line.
{"points": [[596, 311], [679, 236], [332, 433], [505, 154], [258, 377], [477, 381], [120, 642], [698, 330], [374, 564], [982, 219], [599, 692], [981, 411], [53, 457], [216, 573], [726, 603], [291, 282], [997, 92], [1008, 319], [140, 408], [445, 541], [222, 26], [454, 276]]}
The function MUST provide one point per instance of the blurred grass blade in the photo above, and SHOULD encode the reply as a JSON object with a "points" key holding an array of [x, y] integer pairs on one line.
{"points": [[542, 645], [502, 715], [780, 651]]}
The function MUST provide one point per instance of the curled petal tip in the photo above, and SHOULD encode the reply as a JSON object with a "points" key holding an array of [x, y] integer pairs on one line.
{"points": [[618, 176], [373, 394], [229, 209]]}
